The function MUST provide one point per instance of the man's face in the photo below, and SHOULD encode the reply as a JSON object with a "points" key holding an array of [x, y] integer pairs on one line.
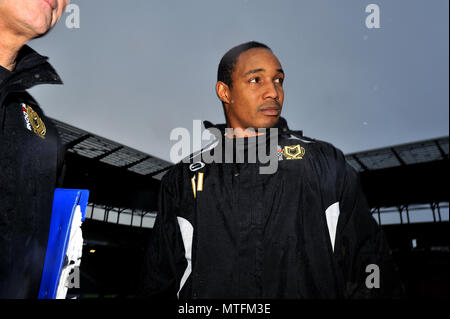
{"points": [[30, 18], [256, 94]]}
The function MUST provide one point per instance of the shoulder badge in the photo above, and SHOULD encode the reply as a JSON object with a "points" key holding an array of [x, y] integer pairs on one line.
{"points": [[293, 152], [33, 121]]}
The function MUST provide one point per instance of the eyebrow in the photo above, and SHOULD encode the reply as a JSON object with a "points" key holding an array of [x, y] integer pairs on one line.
{"points": [[261, 70]]}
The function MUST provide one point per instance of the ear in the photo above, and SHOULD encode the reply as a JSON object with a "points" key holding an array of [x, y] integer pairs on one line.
{"points": [[223, 92]]}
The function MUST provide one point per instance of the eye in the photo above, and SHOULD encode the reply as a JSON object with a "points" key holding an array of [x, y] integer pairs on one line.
{"points": [[255, 80], [279, 80]]}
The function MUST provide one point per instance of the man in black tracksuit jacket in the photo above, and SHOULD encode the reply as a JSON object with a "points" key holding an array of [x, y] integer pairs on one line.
{"points": [[225, 230], [31, 156]]}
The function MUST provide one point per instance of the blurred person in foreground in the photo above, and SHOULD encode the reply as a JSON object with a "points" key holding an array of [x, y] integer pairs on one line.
{"points": [[31, 156]]}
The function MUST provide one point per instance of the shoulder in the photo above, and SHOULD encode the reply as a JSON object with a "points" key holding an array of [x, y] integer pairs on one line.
{"points": [[318, 148], [21, 97], [181, 173], [176, 177], [172, 174]]}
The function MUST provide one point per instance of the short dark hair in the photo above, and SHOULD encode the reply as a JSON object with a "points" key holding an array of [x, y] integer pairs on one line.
{"points": [[228, 61]]}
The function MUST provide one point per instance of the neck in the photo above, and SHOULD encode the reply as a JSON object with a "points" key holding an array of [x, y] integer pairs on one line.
{"points": [[10, 44]]}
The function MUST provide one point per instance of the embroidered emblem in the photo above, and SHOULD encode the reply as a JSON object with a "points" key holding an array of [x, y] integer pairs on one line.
{"points": [[25, 116], [293, 152], [33, 121], [279, 153]]}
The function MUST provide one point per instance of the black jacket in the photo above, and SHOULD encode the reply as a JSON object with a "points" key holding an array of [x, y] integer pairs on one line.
{"points": [[306, 231], [30, 162]]}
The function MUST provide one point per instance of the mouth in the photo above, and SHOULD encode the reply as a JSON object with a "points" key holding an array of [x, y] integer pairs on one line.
{"points": [[272, 108], [271, 111], [51, 3]]}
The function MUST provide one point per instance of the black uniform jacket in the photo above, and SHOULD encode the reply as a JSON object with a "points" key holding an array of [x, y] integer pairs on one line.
{"points": [[224, 230], [30, 161]]}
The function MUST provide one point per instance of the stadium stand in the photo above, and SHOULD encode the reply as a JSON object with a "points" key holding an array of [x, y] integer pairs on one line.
{"points": [[405, 185]]}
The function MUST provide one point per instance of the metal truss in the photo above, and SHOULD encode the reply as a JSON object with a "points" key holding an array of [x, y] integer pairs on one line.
{"points": [[122, 216], [104, 150], [405, 211], [400, 155]]}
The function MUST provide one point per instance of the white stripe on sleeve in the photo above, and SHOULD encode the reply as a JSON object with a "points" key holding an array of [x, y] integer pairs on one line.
{"points": [[186, 233], [332, 214]]}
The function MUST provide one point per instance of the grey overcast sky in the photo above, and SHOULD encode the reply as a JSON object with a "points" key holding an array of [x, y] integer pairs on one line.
{"points": [[136, 69]]}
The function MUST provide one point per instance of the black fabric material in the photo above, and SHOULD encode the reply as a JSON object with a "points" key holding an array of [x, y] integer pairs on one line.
{"points": [[30, 166], [266, 235]]}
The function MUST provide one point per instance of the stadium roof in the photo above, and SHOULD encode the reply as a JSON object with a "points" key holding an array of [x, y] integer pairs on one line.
{"points": [[400, 155], [101, 149]]}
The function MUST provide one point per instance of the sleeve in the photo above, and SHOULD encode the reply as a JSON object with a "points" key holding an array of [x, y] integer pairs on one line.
{"points": [[164, 259], [361, 249], [60, 163]]}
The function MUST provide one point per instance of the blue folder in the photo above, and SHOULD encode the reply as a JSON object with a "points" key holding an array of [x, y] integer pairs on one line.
{"points": [[65, 202]]}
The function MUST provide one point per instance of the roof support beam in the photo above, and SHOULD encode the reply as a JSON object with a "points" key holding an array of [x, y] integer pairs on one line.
{"points": [[399, 159], [136, 162], [159, 171], [77, 141], [360, 163], [101, 156], [444, 156]]}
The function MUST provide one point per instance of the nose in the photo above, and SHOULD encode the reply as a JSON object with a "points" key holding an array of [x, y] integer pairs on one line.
{"points": [[271, 91]]}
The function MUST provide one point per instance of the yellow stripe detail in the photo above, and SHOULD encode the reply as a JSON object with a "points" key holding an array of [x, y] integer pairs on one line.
{"points": [[193, 186], [200, 182]]}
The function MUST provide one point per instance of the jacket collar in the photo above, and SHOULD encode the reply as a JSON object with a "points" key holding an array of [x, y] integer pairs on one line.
{"points": [[281, 125], [31, 69], [4, 74]]}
